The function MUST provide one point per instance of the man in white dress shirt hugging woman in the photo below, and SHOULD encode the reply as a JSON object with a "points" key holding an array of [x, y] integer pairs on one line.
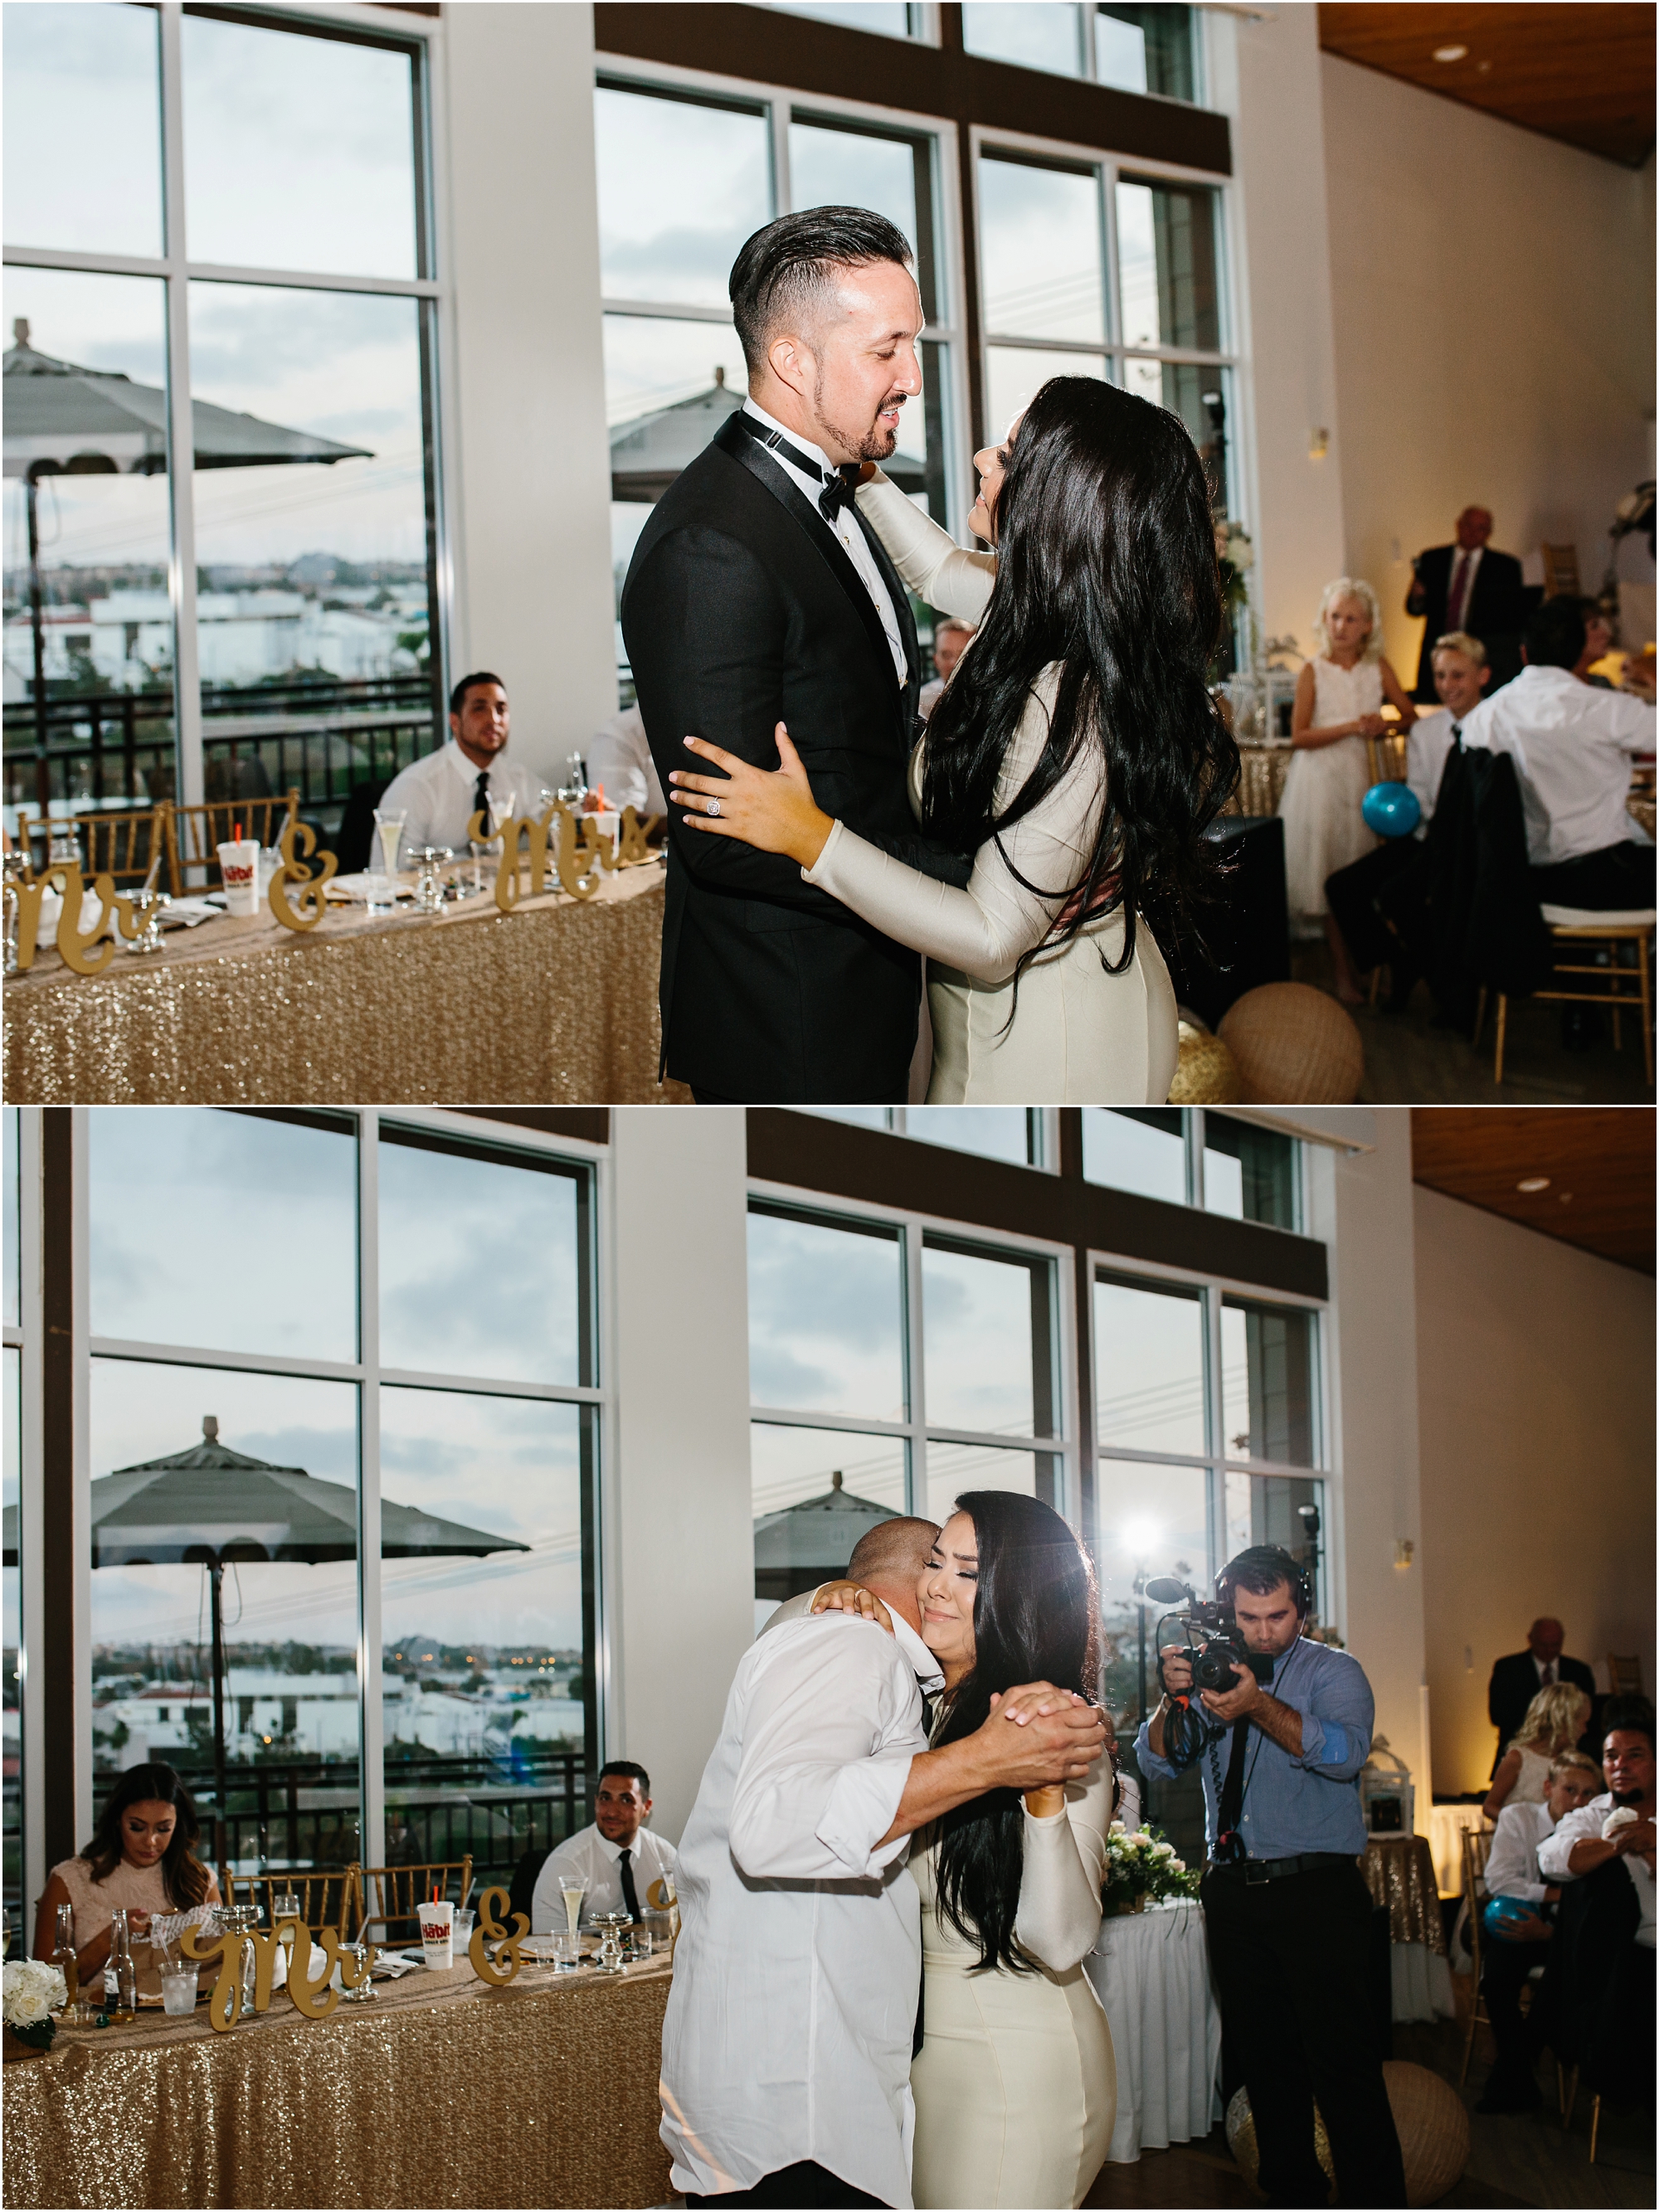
{"points": [[619, 1863]]}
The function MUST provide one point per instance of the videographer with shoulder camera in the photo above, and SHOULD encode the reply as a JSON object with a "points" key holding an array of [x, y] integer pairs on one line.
{"points": [[1286, 1911]]}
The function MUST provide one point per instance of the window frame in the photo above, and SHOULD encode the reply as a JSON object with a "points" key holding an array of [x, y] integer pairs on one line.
{"points": [[591, 1159], [1192, 1135], [422, 38], [625, 73], [25, 1337], [913, 1228], [1086, 10]]}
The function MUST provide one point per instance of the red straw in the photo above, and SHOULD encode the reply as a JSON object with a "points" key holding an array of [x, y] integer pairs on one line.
{"points": [[238, 833]]}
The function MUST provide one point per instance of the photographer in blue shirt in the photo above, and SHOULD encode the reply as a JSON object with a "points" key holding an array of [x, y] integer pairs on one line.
{"points": [[1286, 1911]]}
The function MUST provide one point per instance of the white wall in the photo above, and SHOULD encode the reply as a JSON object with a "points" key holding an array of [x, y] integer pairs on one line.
{"points": [[1494, 300], [1535, 1367], [1264, 74], [1361, 1206], [678, 1536], [528, 482]]}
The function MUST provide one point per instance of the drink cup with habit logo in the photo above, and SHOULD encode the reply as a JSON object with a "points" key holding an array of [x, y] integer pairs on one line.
{"points": [[239, 864], [437, 1927]]}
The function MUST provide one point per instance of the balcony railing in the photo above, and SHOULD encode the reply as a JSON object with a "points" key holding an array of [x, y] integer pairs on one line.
{"points": [[111, 748]]}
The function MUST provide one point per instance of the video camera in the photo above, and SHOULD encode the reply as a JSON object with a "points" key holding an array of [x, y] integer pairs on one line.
{"points": [[1221, 1647]]}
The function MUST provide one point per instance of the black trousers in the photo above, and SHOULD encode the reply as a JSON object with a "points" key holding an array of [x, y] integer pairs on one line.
{"points": [[1350, 893], [1504, 1971], [1618, 876], [1291, 1967], [804, 2187]]}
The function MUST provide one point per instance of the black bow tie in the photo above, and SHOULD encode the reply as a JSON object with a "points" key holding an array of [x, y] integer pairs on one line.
{"points": [[837, 493]]}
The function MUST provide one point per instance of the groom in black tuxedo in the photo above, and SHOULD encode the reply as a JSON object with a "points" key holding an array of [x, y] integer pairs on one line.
{"points": [[757, 595]]}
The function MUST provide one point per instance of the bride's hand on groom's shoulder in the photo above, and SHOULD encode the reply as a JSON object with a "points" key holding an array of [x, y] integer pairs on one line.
{"points": [[853, 1597], [772, 809]]}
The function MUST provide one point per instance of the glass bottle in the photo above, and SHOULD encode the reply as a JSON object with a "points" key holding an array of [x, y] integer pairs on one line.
{"points": [[64, 1958], [122, 1999]]}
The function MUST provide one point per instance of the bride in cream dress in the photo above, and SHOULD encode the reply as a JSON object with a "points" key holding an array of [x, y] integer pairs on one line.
{"points": [[1044, 981]]}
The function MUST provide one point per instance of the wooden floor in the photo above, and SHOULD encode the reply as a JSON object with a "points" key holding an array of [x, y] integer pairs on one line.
{"points": [[1409, 1062], [1514, 2160]]}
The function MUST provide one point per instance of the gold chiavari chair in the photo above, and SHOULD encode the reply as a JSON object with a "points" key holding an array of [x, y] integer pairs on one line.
{"points": [[195, 833], [392, 1896], [329, 1896]]}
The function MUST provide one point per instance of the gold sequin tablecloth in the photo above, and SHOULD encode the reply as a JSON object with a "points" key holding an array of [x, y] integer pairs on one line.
{"points": [[1399, 1870], [441, 2092], [554, 1004]]}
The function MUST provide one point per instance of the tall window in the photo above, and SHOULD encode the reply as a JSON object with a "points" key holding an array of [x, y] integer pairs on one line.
{"points": [[1209, 1438], [367, 1421], [1088, 270], [1022, 1135], [1135, 49], [892, 1366], [1195, 1156], [260, 611], [683, 180]]}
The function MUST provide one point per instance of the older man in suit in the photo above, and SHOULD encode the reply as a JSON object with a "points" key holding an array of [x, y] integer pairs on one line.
{"points": [[1516, 1681], [1466, 585]]}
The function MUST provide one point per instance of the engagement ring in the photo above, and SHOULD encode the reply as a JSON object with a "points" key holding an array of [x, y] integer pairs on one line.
{"points": [[713, 806]]}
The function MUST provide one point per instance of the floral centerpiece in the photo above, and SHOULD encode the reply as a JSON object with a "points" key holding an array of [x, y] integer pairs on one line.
{"points": [[32, 1992], [1141, 1865]]}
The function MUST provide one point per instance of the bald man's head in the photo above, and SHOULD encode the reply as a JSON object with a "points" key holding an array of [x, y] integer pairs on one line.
{"points": [[889, 1560]]}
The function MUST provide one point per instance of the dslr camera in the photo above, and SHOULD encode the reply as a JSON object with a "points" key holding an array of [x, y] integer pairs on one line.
{"points": [[1214, 1646]]}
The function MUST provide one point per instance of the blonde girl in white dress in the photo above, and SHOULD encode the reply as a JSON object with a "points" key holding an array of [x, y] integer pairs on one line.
{"points": [[1338, 701], [1554, 1721], [1016, 2082], [1076, 756]]}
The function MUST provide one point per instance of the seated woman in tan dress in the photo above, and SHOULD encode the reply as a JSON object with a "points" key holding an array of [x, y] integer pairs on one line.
{"points": [[142, 1855], [1076, 754], [1015, 2084]]}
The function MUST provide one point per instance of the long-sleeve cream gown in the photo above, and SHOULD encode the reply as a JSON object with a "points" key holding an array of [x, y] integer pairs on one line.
{"points": [[1079, 1034], [1015, 2084]]}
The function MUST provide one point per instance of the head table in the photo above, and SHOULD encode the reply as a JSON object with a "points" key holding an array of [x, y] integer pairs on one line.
{"points": [[440, 2090], [554, 1003]]}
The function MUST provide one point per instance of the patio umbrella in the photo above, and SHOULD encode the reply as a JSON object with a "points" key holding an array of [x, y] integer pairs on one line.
{"points": [[63, 420], [220, 1508], [649, 451], [810, 1542]]}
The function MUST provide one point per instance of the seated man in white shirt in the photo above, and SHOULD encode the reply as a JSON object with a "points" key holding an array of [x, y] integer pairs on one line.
{"points": [[1572, 747], [787, 2045], [1603, 1855], [438, 795], [619, 757], [1460, 676], [617, 1858], [1508, 1942], [950, 636]]}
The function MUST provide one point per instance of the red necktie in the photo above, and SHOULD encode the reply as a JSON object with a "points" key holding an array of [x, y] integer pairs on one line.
{"points": [[1458, 594]]}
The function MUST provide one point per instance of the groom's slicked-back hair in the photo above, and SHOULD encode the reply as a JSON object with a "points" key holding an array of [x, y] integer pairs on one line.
{"points": [[780, 268], [898, 1547]]}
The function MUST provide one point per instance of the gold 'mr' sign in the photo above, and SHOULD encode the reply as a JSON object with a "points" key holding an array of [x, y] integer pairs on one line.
{"points": [[312, 1999], [74, 945]]}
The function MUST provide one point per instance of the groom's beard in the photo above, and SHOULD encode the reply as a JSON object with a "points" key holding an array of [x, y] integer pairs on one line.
{"points": [[875, 444], [1626, 1797]]}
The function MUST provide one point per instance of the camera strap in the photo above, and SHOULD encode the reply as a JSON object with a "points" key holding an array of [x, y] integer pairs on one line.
{"points": [[1227, 1842]]}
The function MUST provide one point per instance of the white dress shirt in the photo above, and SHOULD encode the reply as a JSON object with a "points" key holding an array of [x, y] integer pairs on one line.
{"points": [[845, 527], [619, 757], [796, 1975], [1512, 1862], [590, 1857], [436, 796], [1428, 741], [1572, 746], [1585, 1827]]}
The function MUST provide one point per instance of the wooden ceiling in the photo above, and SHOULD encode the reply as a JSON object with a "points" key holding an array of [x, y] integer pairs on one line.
{"points": [[1583, 71], [1600, 1163]]}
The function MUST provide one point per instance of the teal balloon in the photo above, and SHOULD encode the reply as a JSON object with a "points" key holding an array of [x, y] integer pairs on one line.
{"points": [[1391, 810]]}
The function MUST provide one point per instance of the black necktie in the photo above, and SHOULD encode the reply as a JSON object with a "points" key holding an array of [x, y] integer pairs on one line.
{"points": [[1227, 1845], [481, 804], [1457, 735], [838, 492], [630, 1897]]}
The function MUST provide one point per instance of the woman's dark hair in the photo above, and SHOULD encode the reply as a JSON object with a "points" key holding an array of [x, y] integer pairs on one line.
{"points": [[1106, 563], [1034, 1622], [183, 1873]]}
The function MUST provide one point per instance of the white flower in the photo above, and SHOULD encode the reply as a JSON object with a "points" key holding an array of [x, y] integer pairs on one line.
{"points": [[33, 1989], [1178, 1866], [1162, 1850], [1116, 1828]]}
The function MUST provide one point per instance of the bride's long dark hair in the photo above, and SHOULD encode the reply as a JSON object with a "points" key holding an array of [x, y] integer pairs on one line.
{"points": [[1034, 1622], [1107, 563]]}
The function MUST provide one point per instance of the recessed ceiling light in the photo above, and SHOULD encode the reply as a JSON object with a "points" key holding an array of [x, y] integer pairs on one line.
{"points": [[1534, 1182], [1450, 53]]}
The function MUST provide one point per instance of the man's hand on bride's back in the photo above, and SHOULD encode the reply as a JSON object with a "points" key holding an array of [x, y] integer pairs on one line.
{"points": [[854, 1598], [1037, 1735]]}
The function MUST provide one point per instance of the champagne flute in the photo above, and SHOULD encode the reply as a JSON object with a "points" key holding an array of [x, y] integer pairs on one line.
{"points": [[388, 831], [573, 1890]]}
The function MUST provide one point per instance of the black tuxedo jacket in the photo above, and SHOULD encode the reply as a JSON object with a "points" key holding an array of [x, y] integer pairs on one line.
{"points": [[741, 610], [1515, 1684], [1495, 613]]}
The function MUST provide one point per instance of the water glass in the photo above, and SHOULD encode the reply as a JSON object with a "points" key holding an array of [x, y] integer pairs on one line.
{"points": [[567, 1952], [177, 1987], [483, 849], [463, 1930], [284, 1906], [640, 1942]]}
